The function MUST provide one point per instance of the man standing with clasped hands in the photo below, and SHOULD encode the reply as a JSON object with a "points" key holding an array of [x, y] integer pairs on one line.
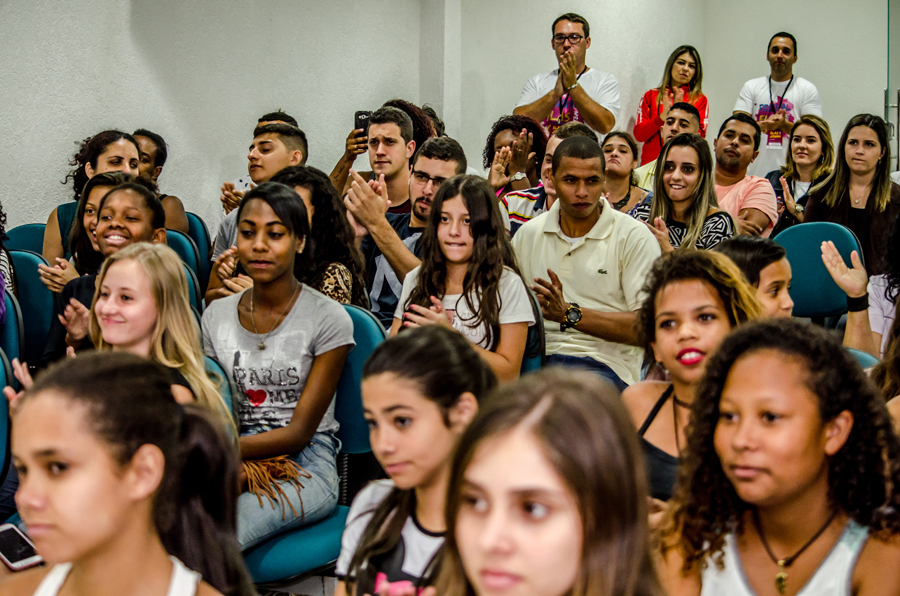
{"points": [[573, 92]]}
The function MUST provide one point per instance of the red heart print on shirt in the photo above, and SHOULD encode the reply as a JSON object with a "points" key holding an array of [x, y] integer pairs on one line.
{"points": [[256, 397]]}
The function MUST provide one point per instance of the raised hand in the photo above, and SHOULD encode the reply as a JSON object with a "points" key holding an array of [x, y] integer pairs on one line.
{"points": [[789, 202], [357, 143], [854, 282], [567, 70], [75, 319], [367, 203], [56, 277], [522, 155], [230, 198], [498, 175]]}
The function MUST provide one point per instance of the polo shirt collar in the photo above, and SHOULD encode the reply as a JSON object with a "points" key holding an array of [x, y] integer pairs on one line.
{"points": [[601, 230]]}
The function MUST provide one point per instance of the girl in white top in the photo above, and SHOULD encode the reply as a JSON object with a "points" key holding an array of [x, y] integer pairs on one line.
{"points": [[118, 485], [469, 279], [790, 484], [420, 390]]}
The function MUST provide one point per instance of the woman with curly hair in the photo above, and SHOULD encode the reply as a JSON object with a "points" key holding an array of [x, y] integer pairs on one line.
{"points": [[791, 480], [469, 279], [513, 154]]}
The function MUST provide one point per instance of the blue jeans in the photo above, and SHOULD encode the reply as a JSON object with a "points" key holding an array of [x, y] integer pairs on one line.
{"points": [[256, 523], [589, 363]]}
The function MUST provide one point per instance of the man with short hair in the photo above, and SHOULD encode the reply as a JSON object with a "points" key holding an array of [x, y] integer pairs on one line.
{"points": [[681, 117], [749, 199], [274, 147], [520, 206], [573, 92], [153, 152], [597, 260], [777, 101], [390, 242]]}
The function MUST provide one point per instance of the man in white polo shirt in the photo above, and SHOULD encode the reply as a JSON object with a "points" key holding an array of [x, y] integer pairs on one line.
{"points": [[589, 263], [573, 92]]}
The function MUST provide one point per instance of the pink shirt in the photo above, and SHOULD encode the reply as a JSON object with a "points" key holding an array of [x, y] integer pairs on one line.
{"points": [[752, 192]]}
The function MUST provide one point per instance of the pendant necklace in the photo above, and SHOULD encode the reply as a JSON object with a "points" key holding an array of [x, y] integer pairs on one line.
{"points": [[262, 343], [782, 576]]}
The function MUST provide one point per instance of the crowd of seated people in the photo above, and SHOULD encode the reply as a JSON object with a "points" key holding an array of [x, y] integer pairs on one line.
{"points": [[685, 434]]}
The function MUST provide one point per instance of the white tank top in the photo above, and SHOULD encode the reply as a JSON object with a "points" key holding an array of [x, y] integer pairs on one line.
{"points": [[832, 577], [183, 583]]}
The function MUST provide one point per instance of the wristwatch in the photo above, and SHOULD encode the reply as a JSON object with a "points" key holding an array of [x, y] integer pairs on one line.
{"points": [[573, 317], [517, 176], [799, 208]]}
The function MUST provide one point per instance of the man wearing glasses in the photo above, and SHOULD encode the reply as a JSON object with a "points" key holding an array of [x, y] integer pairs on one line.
{"points": [[390, 242], [573, 92]]}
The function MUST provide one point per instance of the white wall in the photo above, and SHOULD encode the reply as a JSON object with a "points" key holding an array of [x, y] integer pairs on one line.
{"points": [[198, 73]]}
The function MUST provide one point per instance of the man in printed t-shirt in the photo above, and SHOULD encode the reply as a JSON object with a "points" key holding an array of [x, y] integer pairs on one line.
{"points": [[777, 101], [573, 92]]}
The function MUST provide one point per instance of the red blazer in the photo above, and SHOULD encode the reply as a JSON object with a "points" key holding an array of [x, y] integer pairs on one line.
{"points": [[649, 121]]}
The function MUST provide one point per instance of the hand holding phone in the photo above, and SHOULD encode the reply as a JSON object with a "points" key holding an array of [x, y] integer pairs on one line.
{"points": [[16, 550]]}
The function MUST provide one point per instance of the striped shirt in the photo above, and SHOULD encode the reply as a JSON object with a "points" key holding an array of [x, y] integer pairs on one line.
{"points": [[520, 206]]}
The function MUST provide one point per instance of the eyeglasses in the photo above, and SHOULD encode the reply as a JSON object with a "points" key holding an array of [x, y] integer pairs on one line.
{"points": [[423, 178], [574, 38]]}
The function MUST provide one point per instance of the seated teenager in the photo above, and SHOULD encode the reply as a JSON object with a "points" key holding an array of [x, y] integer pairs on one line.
{"points": [[682, 117], [420, 390], [684, 211], [284, 345], [154, 152], [108, 151], [764, 263], [620, 185], [123, 491], [694, 299], [469, 279], [127, 214], [788, 484], [859, 193], [810, 155], [548, 495], [513, 154]]}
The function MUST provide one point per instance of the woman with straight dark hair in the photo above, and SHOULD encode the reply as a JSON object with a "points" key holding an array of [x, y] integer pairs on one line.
{"points": [[548, 495], [122, 489], [620, 153], [420, 390], [682, 81], [859, 193]]}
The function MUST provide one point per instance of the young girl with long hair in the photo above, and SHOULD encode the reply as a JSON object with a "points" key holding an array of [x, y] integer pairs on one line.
{"points": [[284, 345], [694, 299], [620, 153], [684, 212], [765, 265], [469, 279], [420, 390], [682, 82], [123, 491], [548, 496], [791, 480]]}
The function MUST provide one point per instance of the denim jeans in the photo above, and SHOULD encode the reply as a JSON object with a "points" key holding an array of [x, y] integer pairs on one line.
{"points": [[589, 363], [319, 495]]}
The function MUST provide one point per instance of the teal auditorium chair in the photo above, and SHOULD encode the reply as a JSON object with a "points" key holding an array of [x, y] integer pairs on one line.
{"points": [[535, 342], [814, 293], [216, 372], [194, 294], [26, 237], [182, 244], [199, 233], [864, 359], [312, 550], [12, 331], [36, 301]]}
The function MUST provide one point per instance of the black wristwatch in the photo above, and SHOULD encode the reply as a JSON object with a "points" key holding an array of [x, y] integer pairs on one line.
{"points": [[573, 317]]}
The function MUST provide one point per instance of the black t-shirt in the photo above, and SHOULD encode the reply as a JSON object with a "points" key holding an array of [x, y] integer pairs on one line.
{"points": [[383, 284], [82, 290]]}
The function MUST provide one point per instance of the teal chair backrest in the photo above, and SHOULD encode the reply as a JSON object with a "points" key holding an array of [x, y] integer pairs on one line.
{"points": [[812, 289], [36, 301], [199, 233], [26, 237], [216, 372], [535, 342], [182, 244], [194, 290], [864, 359], [12, 333], [348, 410]]}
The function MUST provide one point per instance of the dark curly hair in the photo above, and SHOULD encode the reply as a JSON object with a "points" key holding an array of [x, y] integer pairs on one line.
{"points": [[332, 239], [423, 126], [863, 477], [88, 152], [516, 123]]}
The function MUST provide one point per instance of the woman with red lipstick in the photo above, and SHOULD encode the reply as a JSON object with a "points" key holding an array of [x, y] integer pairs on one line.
{"points": [[420, 390], [859, 193], [694, 299], [682, 81], [790, 482], [284, 345], [620, 154], [548, 496], [469, 279], [684, 211]]}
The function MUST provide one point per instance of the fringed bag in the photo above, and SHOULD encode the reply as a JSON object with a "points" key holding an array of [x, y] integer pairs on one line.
{"points": [[263, 476]]}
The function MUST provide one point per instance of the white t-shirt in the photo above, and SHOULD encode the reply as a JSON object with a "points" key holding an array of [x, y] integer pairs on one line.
{"points": [[600, 86], [515, 307], [881, 310], [412, 555], [270, 381], [801, 98]]}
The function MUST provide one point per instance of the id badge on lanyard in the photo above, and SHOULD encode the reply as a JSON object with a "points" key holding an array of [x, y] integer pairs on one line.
{"points": [[775, 138]]}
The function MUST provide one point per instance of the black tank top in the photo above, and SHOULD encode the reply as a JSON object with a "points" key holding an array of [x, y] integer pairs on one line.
{"points": [[662, 468]]}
